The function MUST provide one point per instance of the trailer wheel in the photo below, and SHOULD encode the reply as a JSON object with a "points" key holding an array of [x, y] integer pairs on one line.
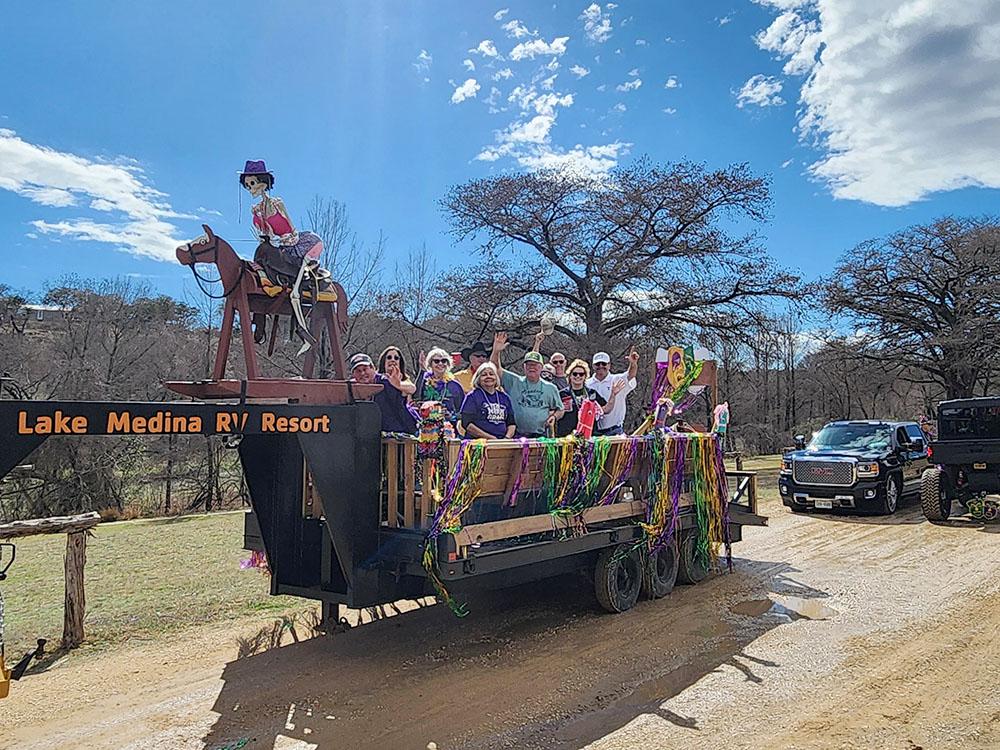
{"points": [[618, 577], [934, 499], [660, 571], [690, 568]]}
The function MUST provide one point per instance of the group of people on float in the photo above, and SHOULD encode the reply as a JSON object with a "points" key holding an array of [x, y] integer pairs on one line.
{"points": [[487, 400]]}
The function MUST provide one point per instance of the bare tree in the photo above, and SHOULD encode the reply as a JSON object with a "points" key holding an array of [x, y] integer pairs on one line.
{"points": [[926, 301], [643, 249]]}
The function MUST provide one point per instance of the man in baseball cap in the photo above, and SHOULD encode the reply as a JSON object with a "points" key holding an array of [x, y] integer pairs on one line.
{"points": [[536, 402], [396, 413], [604, 383]]}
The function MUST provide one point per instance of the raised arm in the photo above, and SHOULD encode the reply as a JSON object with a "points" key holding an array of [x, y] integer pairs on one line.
{"points": [[499, 344], [633, 363], [539, 338]]}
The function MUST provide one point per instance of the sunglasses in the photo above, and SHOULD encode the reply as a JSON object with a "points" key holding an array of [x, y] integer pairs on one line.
{"points": [[577, 374], [392, 357], [601, 364], [558, 361], [439, 361]]}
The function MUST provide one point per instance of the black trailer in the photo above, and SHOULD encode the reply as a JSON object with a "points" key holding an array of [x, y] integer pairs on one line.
{"points": [[342, 514]]}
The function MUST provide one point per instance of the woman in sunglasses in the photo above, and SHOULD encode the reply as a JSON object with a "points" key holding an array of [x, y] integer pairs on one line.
{"points": [[436, 383], [573, 397], [391, 361]]}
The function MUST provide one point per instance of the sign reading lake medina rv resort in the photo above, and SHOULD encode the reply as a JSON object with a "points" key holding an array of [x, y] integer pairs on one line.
{"points": [[164, 421]]}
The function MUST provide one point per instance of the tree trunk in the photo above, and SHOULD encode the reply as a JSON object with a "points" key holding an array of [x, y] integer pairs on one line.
{"points": [[75, 600]]}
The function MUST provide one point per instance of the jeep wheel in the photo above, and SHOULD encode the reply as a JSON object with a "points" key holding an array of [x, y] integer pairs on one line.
{"points": [[934, 498], [890, 500]]}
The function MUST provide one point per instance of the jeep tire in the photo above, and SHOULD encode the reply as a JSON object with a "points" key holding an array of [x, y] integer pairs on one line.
{"points": [[934, 498]]}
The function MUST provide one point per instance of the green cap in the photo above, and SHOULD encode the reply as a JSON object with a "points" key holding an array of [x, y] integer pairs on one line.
{"points": [[534, 357]]}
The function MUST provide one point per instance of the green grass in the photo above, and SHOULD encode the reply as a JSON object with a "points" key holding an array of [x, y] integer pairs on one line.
{"points": [[144, 578]]}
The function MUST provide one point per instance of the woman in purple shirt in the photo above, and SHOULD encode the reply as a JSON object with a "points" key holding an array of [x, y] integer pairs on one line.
{"points": [[487, 412], [436, 383]]}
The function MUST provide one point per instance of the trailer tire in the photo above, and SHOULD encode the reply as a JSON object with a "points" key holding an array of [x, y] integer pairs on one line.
{"points": [[934, 498], [690, 569], [660, 571], [618, 578]]}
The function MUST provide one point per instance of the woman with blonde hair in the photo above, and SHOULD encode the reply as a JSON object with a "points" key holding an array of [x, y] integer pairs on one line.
{"points": [[487, 412], [578, 392], [436, 383]]}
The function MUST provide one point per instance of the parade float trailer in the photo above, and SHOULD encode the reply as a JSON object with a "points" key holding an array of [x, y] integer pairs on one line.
{"points": [[345, 516]]}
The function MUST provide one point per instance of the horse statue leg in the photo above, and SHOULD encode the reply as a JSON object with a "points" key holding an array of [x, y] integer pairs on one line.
{"points": [[341, 305]]}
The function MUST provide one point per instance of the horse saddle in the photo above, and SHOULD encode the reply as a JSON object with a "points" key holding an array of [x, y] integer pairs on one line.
{"points": [[281, 284]]}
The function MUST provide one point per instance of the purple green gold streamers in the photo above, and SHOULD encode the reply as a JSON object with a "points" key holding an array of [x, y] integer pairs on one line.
{"points": [[522, 470], [461, 490], [720, 468], [621, 469]]}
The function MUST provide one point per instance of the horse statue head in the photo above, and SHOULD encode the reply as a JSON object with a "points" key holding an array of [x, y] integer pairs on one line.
{"points": [[212, 249]]}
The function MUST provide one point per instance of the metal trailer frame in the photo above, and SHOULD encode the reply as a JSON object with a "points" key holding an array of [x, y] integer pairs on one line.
{"points": [[347, 556]]}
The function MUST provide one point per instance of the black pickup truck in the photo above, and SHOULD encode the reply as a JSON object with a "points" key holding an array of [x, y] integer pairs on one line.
{"points": [[965, 458], [867, 466]]}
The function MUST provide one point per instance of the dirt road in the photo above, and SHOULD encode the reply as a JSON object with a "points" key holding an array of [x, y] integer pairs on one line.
{"points": [[831, 632]]}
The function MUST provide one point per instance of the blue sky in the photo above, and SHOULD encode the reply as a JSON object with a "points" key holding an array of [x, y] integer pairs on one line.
{"points": [[124, 124]]}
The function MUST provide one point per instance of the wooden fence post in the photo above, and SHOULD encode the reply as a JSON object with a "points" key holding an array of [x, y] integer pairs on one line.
{"points": [[76, 529], [75, 603]]}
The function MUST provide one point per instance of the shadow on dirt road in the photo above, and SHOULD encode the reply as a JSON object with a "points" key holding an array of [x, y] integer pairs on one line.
{"points": [[533, 667]]}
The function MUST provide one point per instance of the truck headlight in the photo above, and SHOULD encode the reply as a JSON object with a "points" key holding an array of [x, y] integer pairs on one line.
{"points": [[868, 470], [786, 466]]}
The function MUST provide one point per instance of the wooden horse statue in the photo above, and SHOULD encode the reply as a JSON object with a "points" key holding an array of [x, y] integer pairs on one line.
{"points": [[248, 291]]}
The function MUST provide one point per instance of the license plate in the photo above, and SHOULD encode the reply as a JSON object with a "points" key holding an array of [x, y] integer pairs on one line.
{"points": [[821, 504]]}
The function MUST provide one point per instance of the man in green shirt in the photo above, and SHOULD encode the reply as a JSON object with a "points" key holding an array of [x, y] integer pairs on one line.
{"points": [[537, 405]]}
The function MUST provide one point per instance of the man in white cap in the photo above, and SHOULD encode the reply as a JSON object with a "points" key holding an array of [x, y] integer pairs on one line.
{"points": [[613, 420]]}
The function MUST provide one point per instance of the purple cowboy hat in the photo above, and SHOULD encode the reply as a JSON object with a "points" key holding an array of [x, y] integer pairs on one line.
{"points": [[255, 168]]}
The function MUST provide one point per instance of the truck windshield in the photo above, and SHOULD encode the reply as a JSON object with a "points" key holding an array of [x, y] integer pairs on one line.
{"points": [[852, 437]]}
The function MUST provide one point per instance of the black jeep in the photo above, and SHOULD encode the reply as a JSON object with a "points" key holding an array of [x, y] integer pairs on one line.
{"points": [[866, 466], [966, 458]]}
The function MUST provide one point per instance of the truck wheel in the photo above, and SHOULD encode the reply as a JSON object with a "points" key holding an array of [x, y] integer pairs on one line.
{"points": [[890, 500], [690, 569], [660, 571], [618, 577], [934, 498]]}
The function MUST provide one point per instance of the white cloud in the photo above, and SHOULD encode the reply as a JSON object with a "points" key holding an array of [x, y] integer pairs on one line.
{"points": [[632, 85], [724, 20], [591, 160], [486, 48], [787, 163], [466, 91], [529, 50], [505, 73], [579, 71], [602, 87], [596, 23], [202, 210], [500, 14], [517, 30], [761, 91], [137, 212], [493, 99], [619, 107], [672, 83], [793, 37], [469, 65], [640, 43], [669, 111], [634, 72], [535, 130], [903, 101], [424, 61]]}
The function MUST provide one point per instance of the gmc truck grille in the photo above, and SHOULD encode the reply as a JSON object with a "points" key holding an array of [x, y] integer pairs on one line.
{"points": [[828, 473]]}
